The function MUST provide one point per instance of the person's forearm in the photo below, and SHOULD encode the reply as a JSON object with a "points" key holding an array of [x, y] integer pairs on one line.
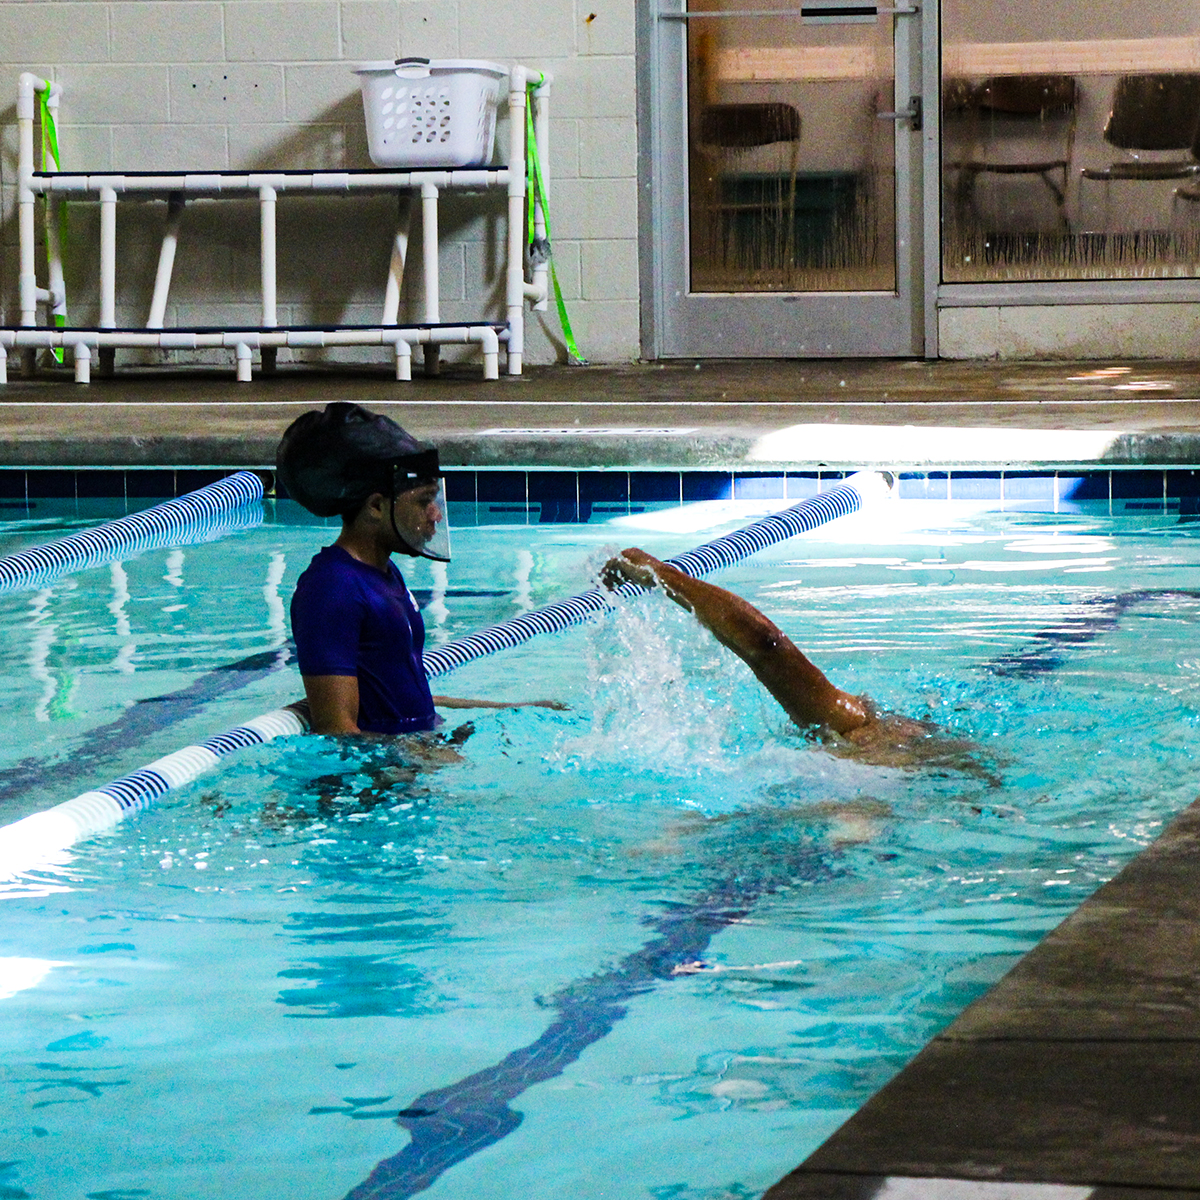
{"points": [[799, 686]]}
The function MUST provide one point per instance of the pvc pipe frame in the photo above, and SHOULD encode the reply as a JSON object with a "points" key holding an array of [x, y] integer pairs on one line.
{"points": [[267, 185], [243, 342]]}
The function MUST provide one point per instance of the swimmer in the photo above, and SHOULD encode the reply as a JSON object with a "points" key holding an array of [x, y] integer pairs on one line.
{"points": [[851, 726]]}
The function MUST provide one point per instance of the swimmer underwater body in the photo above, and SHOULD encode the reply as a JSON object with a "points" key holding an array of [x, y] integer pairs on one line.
{"points": [[359, 634], [850, 725]]}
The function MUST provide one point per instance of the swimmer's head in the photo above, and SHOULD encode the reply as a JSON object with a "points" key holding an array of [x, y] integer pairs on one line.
{"points": [[331, 462]]}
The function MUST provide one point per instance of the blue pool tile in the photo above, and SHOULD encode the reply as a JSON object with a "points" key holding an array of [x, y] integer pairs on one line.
{"points": [[801, 486], [1022, 486], [648, 486], [1137, 485], [100, 484], [51, 484], [460, 486], [759, 486], [191, 480], [564, 512], [462, 514], [604, 487], [1183, 483], [974, 485], [1069, 487], [500, 487], [506, 514], [12, 485], [154, 485], [1092, 486], [552, 485], [707, 485], [923, 485]]}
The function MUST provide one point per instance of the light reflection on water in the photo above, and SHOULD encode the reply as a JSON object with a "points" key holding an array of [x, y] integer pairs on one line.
{"points": [[259, 973]]}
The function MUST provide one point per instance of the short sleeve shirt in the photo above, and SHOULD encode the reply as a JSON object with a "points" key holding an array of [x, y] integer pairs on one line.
{"points": [[348, 618]]}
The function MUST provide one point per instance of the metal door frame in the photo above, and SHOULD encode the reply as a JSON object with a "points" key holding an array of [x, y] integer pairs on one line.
{"points": [[676, 324]]}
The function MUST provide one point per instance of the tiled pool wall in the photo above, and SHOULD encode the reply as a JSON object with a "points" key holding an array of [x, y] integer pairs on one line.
{"points": [[575, 497]]}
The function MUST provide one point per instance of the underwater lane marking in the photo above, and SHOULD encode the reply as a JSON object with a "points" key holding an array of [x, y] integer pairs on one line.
{"points": [[1097, 615], [474, 1113], [145, 717]]}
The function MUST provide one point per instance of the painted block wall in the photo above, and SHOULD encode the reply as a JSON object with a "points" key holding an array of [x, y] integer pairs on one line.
{"points": [[249, 84]]}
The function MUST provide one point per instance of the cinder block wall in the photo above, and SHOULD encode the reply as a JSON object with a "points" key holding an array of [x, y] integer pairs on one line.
{"points": [[241, 84]]}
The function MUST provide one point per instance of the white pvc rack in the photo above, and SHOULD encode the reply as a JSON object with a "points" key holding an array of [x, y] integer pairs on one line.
{"points": [[178, 188]]}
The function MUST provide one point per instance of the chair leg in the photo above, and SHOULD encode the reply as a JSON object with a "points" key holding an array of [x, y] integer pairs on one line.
{"points": [[1059, 194]]}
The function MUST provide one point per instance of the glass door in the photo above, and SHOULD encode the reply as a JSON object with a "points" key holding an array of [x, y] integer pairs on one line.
{"points": [[787, 181]]}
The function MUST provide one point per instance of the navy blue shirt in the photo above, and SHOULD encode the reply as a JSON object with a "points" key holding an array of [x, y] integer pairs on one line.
{"points": [[348, 618]]}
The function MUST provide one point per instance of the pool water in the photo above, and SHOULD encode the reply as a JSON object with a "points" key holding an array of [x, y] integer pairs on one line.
{"points": [[658, 945]]}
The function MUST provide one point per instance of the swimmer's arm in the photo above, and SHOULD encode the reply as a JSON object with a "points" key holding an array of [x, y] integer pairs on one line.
{"points": [[463, 702], [332, 703], [798, 685]]}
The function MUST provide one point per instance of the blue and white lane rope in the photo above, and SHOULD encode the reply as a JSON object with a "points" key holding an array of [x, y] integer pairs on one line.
{"points": [[838, 501], [40, 840], [164, 524]]}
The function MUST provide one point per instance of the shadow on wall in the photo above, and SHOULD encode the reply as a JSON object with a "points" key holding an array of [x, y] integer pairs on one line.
{"points": [[333, 254]]}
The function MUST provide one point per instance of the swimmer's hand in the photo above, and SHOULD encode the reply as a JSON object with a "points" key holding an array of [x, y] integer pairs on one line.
{"points": [[630, 566]]}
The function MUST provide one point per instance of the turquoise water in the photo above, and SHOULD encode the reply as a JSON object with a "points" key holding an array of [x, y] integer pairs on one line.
{"points": [[236, 992]]}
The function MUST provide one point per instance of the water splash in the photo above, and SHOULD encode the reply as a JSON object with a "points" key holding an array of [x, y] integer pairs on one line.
{"points": [[660, 694]]}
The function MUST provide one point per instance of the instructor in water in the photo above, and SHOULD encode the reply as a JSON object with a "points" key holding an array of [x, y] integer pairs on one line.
{"points": [[359, 634]]}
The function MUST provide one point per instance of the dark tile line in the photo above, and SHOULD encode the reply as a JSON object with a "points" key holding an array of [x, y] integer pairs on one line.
{"points": [[572, 496]]}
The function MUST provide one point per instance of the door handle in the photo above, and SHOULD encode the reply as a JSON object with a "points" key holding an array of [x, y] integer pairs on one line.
{"points": [[914, 114]]}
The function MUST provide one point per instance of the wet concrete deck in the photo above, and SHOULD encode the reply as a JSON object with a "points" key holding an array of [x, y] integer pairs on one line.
{"points": [[675, 415]]}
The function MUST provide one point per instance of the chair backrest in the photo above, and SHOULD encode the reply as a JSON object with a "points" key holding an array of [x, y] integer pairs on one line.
{"points": [[1154, 112], [1012, 95], [743, 126]]}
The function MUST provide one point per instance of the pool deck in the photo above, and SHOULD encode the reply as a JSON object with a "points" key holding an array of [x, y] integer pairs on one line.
{"points": [[680, 415], [1078, 1075]]}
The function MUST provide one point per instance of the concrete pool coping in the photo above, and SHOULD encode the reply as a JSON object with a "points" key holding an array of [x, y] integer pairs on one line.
{"points": [[1078, 1068], [748, 415]]}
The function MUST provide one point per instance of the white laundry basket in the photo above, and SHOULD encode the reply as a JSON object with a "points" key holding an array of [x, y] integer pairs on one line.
{"points": [[430, 113]]}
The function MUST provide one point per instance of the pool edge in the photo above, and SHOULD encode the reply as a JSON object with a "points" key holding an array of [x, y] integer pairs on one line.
{"points": [[1078, 1067]]}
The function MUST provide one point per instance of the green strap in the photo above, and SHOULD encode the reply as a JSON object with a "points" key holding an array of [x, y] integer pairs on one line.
{"points": [[49, 131], [535, 191], [50, 153]]}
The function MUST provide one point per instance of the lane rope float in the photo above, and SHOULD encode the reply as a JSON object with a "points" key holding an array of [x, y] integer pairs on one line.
{"points": [[40, 840], [149, 529]]}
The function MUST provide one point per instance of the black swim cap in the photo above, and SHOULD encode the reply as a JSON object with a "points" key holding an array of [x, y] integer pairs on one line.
{"points": [[331, 461]]}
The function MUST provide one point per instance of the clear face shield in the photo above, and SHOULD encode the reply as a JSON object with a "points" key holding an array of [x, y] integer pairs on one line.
{"points": [[419, 513]]}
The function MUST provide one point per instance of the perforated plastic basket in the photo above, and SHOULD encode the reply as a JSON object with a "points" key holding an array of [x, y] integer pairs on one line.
{"points": [[430, 113]]}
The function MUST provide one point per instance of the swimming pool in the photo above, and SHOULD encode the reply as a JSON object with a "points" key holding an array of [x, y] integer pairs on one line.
{"points": [[238, 991]]}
